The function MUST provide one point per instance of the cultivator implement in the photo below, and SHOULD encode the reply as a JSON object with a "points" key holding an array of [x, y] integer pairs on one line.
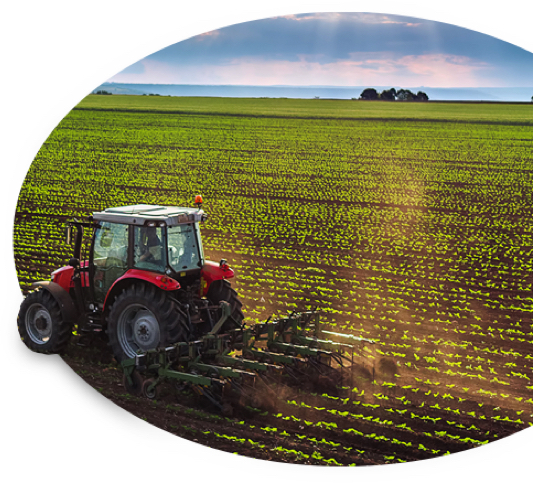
{"points": [[250, 364], [168, 314]]}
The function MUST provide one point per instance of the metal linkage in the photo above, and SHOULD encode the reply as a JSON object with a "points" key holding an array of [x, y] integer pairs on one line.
{"points": [[238, 360]]}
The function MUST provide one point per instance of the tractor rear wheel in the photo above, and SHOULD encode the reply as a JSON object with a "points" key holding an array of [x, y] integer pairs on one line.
{"points": [[41, 325], [221, 290], [141, 318]]}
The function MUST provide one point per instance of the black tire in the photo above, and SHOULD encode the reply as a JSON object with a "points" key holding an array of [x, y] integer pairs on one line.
{"points": [[143, 317], [41, 325], [221, 290]]}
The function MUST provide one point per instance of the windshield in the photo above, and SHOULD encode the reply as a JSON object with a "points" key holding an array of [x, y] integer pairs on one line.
{"points": [[184, 250]]}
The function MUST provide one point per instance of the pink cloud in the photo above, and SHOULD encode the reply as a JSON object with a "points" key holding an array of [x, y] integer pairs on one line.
{"points": [[445, 70], [431, 70], [212, 33]]}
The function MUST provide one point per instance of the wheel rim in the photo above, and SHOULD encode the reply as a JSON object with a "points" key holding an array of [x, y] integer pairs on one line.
{"points": [[38, 323], [137, 329]]}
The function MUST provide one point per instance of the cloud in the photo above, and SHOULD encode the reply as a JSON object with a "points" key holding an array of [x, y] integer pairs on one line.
{"points": [[206, 35], [447, 69], [355, 18], [406, 24], [334, 35], [379, 68], [342, 49], [328, 16]]}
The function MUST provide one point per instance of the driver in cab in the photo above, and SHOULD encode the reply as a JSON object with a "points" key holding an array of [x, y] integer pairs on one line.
{"points": [[152, 249]]}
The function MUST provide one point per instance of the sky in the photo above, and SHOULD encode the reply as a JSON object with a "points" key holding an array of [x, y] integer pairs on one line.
{"points": [[337, 49]]}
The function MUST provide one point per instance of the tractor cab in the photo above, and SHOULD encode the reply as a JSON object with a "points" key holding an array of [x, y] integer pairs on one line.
{"points": [[157, 239]]}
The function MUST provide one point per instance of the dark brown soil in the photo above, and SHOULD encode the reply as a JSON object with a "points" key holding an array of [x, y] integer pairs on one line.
{"points": [[304, 427]]}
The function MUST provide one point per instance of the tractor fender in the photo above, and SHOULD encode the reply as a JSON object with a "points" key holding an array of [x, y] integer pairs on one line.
{"points": [[158, 279], [63, 276], [212, 271], [69, 312]]}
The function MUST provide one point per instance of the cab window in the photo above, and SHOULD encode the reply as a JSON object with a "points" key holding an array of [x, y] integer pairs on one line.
{"points": [[110, 258], [148, 248], [183, 248]]}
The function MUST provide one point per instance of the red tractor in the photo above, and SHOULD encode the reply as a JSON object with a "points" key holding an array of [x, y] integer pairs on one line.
{"points": [[145, 282]]}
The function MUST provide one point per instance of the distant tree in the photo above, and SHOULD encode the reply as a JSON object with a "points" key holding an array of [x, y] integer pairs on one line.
{"points": [[103, 93], [369, 94], [388, 95], [404, 95]]}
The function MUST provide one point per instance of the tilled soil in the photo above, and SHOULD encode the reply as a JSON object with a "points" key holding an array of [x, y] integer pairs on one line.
{"points": [[304, 427]]}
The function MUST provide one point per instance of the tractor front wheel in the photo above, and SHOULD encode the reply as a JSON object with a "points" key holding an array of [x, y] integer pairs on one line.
{"points": [[41, 325], [141, 318]]}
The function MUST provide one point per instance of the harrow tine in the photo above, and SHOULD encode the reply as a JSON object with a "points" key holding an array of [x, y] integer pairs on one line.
{"points": [[217, 401], [261, 363]]}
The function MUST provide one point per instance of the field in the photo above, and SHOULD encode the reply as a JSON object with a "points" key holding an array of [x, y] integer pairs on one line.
{"points": [[407, 223]]}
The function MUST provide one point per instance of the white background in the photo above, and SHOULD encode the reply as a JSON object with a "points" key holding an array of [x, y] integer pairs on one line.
{"points": [[54, 426]]}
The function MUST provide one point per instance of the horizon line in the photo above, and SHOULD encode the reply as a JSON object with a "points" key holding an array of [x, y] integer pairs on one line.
{"points": [[316, 86]]}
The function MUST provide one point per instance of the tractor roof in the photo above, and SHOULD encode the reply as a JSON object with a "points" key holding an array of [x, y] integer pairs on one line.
{"points": [[148, 214]]}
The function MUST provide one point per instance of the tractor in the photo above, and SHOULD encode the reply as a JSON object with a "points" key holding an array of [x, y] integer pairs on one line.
{"points": [[170, 314], [146, 283]]}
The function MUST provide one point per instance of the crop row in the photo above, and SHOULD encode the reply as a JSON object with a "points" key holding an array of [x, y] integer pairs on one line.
{"points": [[416, 234]]}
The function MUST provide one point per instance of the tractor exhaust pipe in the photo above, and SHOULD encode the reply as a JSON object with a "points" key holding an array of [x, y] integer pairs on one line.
{"points": [[75, 261], [77, 242]]}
